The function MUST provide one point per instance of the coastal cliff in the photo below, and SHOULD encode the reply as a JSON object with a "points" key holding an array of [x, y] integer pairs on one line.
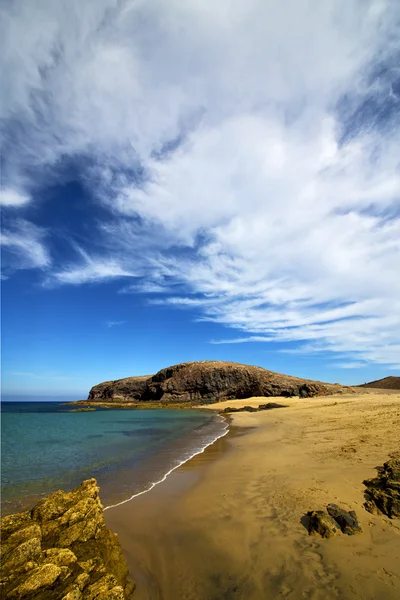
{"points": [[61, 549], [131, 388], [207, 382]]}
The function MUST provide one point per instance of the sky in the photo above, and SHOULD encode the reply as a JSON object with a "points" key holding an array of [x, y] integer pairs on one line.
{"points": [[199, 180]]}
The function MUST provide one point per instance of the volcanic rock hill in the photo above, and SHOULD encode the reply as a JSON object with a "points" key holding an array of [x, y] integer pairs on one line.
{"points": [[206, 382], [387, 383]]}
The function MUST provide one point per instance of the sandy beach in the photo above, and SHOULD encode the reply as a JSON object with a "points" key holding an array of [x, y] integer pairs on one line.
{"points": [[228, 524]]}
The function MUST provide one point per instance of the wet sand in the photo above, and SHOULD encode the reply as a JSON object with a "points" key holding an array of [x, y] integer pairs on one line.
{"points": [[227, 524]]}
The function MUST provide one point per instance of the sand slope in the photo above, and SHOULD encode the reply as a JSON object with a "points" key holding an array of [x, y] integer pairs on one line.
{"points": [[228, 525]]}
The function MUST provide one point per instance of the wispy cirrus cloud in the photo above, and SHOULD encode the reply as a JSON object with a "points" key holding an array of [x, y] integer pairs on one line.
{"points": [[114, 323], [247, 156], [91, 269], [95, 270], [25, 246], [47, 376], [352, 365]]}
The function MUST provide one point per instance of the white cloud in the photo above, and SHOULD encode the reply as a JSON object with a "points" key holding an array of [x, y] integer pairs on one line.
{"points": [[91, 270], [48, 376], [351, 365], [14, 198], [235, 146], [119, 82], [114, 323], [24, 243]]}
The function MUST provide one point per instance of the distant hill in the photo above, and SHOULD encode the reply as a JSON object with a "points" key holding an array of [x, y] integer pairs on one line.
{"points": [[387, 383], [207, 381]]}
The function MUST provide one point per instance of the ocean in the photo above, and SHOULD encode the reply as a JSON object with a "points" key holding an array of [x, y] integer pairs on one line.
{"points": [[46, 447]]}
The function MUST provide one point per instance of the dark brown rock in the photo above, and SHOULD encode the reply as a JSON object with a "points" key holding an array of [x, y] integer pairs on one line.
{"points": [[320, 523], [387, 383], [271, 405], [205, 382], [347, 520], [61, 549], [268, 406], [127, 389], [311, 389], [383, 492]]}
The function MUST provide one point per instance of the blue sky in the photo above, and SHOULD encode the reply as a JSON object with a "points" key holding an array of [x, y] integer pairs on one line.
{"points": [[190, 181]]}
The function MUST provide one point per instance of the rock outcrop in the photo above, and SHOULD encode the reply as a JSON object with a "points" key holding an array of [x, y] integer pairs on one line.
{"points": [[332, 522], [62, 550], [129, 388], [347, 520], [205, 382], [320, 523], [260, 407], [383, 492]]}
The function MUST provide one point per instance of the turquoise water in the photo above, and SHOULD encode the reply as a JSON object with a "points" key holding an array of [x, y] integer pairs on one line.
{"points": [[46, 447]]}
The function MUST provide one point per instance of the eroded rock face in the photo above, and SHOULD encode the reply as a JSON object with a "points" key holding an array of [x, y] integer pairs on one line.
{"points": [[383, 492], [208, 381], [129, 388], [61, 549]]}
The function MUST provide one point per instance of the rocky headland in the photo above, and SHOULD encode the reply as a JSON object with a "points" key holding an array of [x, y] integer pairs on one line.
{"points": [[205, 382], [62, 550]]}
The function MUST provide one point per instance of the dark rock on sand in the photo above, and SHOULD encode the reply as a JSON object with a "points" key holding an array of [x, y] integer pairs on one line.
{"points": [[383, 492], [347, 520], [62, 550], [268, 406], [330, 523], [322, 524], [208, 381], [271, 405]]}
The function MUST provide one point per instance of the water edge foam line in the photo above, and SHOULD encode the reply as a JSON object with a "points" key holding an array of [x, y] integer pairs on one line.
{"points": [[153, 485]]}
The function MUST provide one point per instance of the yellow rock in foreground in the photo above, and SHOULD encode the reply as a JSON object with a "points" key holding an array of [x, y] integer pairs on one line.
{"points": [[61, 549]]}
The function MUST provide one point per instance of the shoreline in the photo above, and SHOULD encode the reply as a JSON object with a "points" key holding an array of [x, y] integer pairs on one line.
{"points": [[183, 462], [130, 478], [219, 407], [228, 523]]}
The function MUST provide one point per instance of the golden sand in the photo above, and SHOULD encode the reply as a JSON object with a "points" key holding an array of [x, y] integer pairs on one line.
{"points": [[227, 525]]}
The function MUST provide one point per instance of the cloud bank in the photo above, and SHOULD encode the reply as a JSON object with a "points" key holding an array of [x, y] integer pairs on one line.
{"points": [[247, 156]]}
